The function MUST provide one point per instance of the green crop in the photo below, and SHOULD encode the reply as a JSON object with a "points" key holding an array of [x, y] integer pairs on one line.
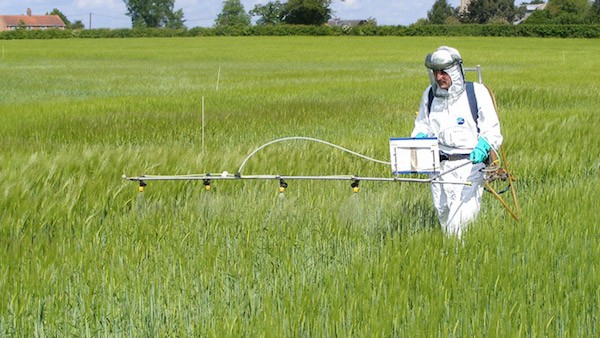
{"points": [[82, 253]]}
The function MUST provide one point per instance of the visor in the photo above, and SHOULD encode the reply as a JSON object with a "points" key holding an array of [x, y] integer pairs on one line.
{"points": [[441, 59]]}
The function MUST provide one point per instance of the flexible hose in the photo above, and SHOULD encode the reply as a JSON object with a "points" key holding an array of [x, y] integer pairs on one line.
{"points": [[304, 138]]}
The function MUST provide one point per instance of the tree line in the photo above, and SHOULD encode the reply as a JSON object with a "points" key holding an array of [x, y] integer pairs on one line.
{"points": [[566, 12], [162, 13]]}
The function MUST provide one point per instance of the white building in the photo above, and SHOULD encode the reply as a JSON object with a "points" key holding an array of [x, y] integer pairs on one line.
{"points": [[530, 8], [463, 5]]}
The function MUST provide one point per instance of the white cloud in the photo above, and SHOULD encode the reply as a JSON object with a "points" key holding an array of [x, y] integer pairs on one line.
{"points": [[349, 3]]}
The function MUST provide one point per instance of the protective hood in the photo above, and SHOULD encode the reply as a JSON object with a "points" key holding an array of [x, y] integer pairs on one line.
{"points": [[449, 60]]}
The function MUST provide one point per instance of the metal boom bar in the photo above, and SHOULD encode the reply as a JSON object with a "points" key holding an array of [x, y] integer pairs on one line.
{"points": [[203, 177]]}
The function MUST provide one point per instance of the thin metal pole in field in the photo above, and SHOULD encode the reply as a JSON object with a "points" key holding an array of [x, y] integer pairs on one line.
{"points": [[202, 124], [218, 78]]}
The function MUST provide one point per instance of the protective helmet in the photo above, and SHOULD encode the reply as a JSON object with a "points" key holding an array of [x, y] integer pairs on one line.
{"points": [[443, 58], [449, 60]]}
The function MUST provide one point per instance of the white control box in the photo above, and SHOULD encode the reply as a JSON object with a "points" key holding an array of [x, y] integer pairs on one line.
{"points": [[414, 156]]}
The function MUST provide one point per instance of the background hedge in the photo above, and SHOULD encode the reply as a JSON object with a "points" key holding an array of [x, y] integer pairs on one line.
{"points": [[558, 31]]}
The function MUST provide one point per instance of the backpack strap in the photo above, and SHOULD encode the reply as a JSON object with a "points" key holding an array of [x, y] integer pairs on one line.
{"points": [[470, 96], [473, 103], [430, 99]]}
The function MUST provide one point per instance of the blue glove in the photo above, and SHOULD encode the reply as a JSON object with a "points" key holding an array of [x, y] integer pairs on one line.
{"points": [[422, 135], [481, 151]]}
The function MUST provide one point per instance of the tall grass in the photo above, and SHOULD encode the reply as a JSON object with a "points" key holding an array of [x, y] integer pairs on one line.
{"points": [[83, 253]]}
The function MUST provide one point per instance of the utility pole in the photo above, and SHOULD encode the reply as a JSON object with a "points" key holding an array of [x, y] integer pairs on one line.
{"points": [[90, 25]]}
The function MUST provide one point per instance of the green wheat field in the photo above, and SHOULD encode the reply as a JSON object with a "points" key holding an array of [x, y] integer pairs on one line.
{"points": [[83, 253]]}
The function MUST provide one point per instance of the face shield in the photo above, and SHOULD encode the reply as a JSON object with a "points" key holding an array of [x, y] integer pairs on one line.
{"points": [[441, 59]]}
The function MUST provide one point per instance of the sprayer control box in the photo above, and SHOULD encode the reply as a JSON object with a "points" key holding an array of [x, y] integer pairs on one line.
{"points": [[414, 155]]}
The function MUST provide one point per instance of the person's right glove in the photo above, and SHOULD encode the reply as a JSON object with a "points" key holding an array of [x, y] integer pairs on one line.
{"points": [[480, 152], [422, 135]]}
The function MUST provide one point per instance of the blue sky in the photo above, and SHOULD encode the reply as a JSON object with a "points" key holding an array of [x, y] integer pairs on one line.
{"points": [[111, 13]]}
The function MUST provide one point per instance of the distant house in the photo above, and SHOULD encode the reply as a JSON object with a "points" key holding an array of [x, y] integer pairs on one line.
{"points": [[530, 8], [12, 22], [346, 23]]}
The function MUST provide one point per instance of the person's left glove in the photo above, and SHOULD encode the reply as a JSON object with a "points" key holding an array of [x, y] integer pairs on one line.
{"points": [[422, 135], [480, 152]]}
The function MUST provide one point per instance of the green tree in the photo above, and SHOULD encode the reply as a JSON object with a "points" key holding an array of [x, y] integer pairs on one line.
{"points": [[371, 21], [77, 25], [270, 14], [306, 12], [440, 12], [563, 12], [568, 11], [560, 7], [62, 17], [154, 14], [538, 17], [594, 13], [175, 19], [484, 11], [233, 14]]}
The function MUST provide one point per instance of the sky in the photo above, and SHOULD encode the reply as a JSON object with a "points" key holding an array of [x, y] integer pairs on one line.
{"points": [[202, 13]]}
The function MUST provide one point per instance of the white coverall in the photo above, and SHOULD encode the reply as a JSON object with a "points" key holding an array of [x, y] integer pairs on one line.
{"points": [[451, 121]]}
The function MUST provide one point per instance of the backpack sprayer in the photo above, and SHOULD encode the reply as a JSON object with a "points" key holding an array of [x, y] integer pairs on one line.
{"points": [[496, 172], [408, 156]]}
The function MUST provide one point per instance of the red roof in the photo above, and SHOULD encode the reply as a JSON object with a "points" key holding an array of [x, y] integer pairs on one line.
{"points": [[32, 20]]}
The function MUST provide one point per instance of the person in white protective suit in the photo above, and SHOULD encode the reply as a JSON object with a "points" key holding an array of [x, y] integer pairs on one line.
{"points": [[464, 143]]}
